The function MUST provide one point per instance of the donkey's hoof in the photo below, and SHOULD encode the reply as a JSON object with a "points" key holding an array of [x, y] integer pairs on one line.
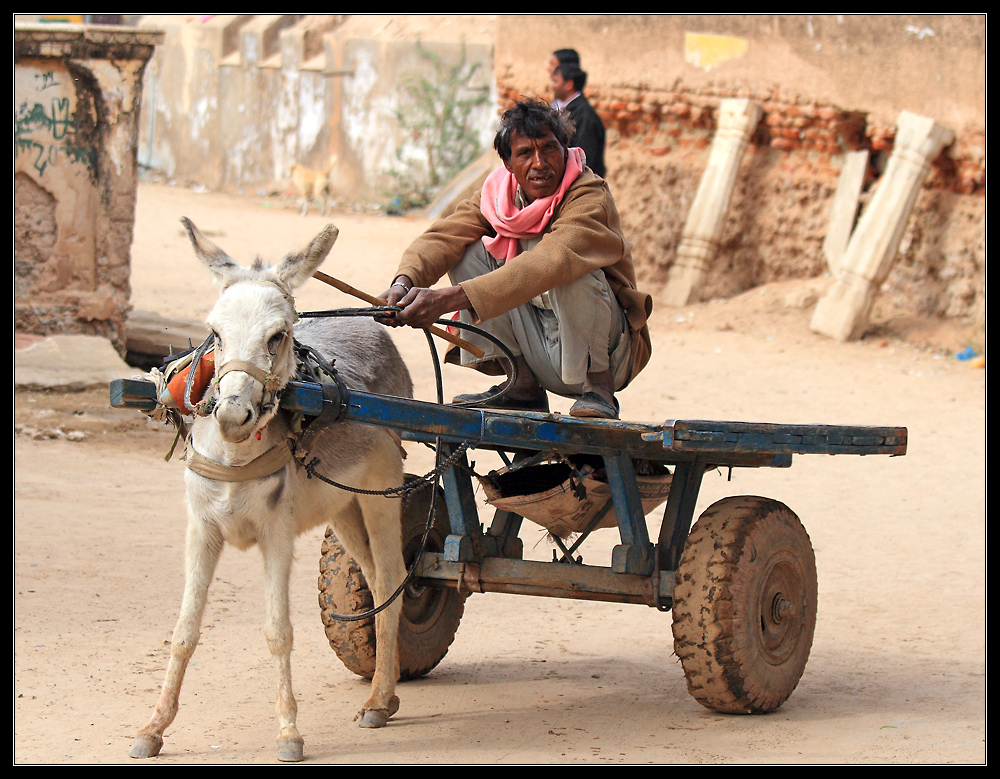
{"points": [[290, 751], [378, 718], [374, 718], [146, 746]]}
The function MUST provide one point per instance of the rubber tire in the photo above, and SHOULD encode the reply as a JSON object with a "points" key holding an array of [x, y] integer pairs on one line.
{"points": [[744, 608], [431, 615]]}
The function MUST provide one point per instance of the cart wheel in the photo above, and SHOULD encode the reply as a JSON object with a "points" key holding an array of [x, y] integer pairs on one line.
{"points": [[745, 605], [430, 614]]}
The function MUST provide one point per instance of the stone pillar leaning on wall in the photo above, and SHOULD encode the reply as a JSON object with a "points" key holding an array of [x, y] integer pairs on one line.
{"points": [[844, 311], [77, 93], [699, 241]]}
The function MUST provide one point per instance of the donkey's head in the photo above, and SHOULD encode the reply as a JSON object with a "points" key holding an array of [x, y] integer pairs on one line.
{"points": [[252, 325]]}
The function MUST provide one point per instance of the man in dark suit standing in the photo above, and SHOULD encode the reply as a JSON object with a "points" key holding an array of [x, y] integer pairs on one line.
{"points": [[563, 57], [568, 82]]}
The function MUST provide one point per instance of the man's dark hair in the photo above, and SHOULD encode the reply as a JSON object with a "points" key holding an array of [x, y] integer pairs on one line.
{"points": [[573, 73], [565, 56], [531, 119]]}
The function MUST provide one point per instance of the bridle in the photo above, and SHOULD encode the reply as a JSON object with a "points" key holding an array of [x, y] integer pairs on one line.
{"points": [[275, 458], [268, 379]]}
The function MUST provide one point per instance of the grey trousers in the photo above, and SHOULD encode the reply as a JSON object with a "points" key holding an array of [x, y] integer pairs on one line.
{"points": [[570, 331]]}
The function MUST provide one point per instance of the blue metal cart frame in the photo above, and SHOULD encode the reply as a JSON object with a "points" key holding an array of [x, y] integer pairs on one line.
{"points": [[642, 569]]}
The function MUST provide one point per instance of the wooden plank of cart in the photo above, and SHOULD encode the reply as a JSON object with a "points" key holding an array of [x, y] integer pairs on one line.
{"points": [[741, 581]]}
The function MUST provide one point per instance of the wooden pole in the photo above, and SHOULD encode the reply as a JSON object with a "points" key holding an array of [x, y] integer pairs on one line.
{"points": [[347, 288]]}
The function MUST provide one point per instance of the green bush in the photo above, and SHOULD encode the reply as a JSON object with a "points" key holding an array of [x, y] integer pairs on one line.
{"points": [[437, 115]]}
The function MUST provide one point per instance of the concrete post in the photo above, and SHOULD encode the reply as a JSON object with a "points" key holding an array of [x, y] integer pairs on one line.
{"points": [[700, 238], [843, 312], [844, 212]]}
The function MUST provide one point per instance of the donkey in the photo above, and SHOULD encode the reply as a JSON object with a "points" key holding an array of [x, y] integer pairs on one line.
{"points": [[244, 487]]}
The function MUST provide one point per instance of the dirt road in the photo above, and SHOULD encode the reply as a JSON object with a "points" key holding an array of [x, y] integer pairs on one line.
{"points": [[897, 670]]}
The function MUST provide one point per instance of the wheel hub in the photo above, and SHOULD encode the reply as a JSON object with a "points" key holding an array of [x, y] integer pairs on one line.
{"points": [[780, 612]]}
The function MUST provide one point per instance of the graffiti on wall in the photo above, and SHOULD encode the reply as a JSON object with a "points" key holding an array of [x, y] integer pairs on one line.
{"points": [[46, 129]]}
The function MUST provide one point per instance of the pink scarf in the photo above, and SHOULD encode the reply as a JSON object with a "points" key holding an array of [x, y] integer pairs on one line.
{"points": [[511, 223]]}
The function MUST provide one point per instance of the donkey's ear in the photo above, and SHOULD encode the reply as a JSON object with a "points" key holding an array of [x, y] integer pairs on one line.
{"points": [[298, 267], [216, 260]]}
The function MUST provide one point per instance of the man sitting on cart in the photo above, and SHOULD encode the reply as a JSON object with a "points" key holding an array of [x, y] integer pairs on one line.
{"points": [[538, 260]]}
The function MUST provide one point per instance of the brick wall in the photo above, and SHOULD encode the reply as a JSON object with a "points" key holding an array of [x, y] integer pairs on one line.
{"points": [[658, 144]]}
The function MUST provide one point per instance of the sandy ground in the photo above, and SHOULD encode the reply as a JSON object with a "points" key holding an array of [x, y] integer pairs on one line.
{"points": [[897, 670]]}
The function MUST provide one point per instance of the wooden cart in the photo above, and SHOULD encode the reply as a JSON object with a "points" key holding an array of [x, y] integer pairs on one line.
{"points": [[741, 581]]}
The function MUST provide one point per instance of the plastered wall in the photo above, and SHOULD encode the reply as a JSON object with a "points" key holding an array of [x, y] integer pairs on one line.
{"points": [[232, 101], [77, 92]]}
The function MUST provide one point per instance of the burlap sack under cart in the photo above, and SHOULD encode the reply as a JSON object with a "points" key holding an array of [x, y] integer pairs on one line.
{"points": [[567, 496]]}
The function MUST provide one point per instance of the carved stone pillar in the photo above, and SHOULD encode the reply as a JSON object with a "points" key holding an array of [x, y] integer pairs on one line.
{"points": [[843, 312], [700, 238], [845, 209]]}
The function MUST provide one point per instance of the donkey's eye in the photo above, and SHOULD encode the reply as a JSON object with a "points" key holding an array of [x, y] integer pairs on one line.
{"points": [[275, 342]]}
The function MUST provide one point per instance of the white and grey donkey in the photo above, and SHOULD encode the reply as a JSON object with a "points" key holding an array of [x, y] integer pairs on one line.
{"points": [[253, 325]]}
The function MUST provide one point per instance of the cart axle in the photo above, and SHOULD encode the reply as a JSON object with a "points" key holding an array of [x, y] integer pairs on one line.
{"points": [[528, 577]]}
